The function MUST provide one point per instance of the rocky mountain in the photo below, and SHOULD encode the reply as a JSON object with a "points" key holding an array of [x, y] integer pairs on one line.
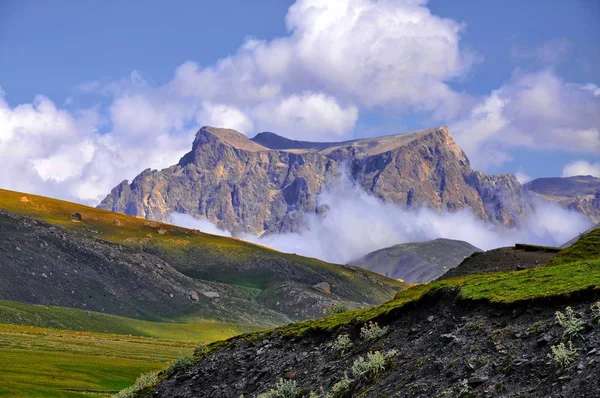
{"points": [[580, 193], [63, 254], [417, 262], [267, 184]]}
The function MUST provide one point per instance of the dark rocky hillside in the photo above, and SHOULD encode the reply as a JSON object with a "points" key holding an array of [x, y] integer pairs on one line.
{"points": [[267, 184], [417, 262], [45, 264], [518, 333], [446, 348]]}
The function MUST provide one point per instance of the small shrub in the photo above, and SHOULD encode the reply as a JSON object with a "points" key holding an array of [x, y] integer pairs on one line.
{"points": [[336, 309], [342, 344], [372, 331], [595, 308], [283, 389], [562, 356], [464, 389], [369, 368], [570, 322], [145, 380], [182, 362], [341, 389], [199, 350]]}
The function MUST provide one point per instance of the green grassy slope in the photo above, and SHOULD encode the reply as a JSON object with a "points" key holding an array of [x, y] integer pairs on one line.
{"points": [[37, 362], [586, 248], [79, 320]]}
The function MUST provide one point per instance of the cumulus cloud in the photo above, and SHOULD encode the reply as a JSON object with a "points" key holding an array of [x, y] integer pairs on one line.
{"points": [[522, 177], [358, 223], [362, 52], [581, 168], [538, 111], [338, 59], [55, 152]]}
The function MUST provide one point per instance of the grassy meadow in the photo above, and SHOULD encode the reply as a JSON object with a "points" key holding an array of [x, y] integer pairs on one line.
{"points": [[39, 362]]}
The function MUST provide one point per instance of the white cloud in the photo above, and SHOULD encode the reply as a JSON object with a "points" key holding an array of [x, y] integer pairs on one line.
{"points": [[54, 152], [187, 221], [581, 168], [361, 52], [592, 88], [538, 111], [522, 177], [219, 115], [309, 115], [341, 235]]}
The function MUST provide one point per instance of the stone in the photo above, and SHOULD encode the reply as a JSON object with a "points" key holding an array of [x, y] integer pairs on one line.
{"points": [[24, 199], [211, 294], [193, 295], [161, 231], [78, 216], [448, 338], [116, 222], [323, 287], [477, 380], [430, 318]]}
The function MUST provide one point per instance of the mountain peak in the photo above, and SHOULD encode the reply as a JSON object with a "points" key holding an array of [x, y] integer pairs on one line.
{"points": [[229, 137]]}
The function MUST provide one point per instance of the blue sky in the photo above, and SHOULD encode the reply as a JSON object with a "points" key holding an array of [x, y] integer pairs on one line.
{"points": [[516, 81]]}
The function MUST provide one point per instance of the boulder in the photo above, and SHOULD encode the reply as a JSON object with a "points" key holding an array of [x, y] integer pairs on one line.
{"points": [[323, 287], [194, 296]]}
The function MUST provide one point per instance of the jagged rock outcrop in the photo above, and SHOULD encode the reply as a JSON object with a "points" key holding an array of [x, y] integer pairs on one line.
{"points": [[579, 193], [268, 183]]}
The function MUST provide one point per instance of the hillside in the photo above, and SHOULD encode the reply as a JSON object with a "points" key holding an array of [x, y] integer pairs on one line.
{"points": [[63, 254], [417, 262], [267, 185], [518, 257], [476, 335], [580, 193]]}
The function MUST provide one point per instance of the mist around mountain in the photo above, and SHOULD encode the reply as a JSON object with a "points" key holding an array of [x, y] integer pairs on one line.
{"points": [[339, 201]]}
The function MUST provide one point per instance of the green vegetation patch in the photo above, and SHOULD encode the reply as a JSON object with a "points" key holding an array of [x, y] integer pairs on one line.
{"points": [[586, 248], [77, 364], [205, 331]]}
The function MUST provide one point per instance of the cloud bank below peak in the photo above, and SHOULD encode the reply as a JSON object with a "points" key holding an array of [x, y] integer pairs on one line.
{"points": [[358, 223]]}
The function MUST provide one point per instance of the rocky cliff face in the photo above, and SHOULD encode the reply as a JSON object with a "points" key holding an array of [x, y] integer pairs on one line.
{"points": [[267, 184], [579, 193]]}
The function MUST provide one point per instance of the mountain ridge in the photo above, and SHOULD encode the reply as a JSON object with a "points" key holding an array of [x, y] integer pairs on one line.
{"points": [[231, 181]]}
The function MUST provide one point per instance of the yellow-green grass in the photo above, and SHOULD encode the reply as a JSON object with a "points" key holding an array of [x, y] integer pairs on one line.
{"points": [[586, 248], [37, 362], [205, 331], [179, 245]]}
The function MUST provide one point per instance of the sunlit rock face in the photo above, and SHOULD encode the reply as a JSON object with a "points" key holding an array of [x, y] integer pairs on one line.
{"points": [[266, 184]]}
